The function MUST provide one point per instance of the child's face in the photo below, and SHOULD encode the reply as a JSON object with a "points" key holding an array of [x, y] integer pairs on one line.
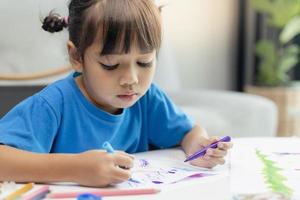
{"points": [[116, 81]]}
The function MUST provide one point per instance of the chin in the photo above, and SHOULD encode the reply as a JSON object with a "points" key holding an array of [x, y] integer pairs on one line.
{"points": [[126, 105]]}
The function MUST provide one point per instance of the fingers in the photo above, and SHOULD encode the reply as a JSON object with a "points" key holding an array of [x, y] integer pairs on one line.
{"points": [[213, 139], [213, 156], [217, 153], [208, 161], [120, 175], [214, 160], [216, 156], [221, 149], [225, 145], [123, 160], [207, 141], [126, 154]]}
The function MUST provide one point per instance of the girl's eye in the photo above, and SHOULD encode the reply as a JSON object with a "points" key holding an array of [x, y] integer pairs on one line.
{"points": [[142, 64], [109, 67]]}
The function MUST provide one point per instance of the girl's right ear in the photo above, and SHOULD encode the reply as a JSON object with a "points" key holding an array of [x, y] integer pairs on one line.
{"points": [[74, 58]]}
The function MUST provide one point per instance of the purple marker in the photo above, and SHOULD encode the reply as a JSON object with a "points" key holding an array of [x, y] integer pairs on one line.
{"points": [[202, 152]]}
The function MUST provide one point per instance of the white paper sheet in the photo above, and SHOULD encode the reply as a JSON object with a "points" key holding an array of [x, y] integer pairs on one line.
{"points": [[156, 173], [247, 169]]}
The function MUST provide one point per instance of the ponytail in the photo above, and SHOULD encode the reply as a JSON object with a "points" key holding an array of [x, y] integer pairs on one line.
{"points": [[54, 23]]}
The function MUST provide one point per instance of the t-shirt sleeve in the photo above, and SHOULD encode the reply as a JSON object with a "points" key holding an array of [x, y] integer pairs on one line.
{"points": [[31, 125], [167, 124]]}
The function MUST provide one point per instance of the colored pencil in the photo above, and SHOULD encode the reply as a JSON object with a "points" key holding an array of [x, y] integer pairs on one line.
{"points": [[19, 192], [104, 192], [38, 194]]}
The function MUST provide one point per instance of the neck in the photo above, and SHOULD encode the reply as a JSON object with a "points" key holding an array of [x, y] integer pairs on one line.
{"points": [[80, 83]]}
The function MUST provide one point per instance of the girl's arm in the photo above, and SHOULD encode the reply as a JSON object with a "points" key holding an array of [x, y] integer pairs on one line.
{"points": [[90, 168], [197, 139]]}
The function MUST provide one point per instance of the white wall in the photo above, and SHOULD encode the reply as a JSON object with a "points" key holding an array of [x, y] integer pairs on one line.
{"points": [[24, 46], [199, 41], [201, 38]]}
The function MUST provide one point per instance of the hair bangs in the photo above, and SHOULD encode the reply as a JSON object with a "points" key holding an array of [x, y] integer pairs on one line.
{"points": [[136, 22]]}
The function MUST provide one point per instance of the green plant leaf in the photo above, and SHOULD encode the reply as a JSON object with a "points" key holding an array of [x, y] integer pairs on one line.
{"points": [[277, 60], [287, 61], [290, 30], [283, 189], [279, 12], [262, 5], [266, 51], [273, 179]]}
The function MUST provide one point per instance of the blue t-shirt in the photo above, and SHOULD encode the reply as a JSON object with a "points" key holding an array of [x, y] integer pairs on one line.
{"points": [[59, 119]]}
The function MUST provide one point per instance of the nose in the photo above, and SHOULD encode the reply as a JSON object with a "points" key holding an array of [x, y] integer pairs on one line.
{"points": [[129, 76]]}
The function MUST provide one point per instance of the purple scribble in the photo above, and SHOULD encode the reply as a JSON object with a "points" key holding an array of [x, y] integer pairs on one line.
{"points": [[134, 181], [286, 153], [157, 182], [143, 163], [172, 171], [199, 175]]}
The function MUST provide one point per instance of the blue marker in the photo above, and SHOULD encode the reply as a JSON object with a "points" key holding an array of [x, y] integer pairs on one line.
{"points": [[202, 152], [107, 146]]}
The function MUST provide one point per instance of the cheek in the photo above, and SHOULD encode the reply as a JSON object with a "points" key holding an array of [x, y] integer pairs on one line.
{"points": [[96, 82], [146, 76], [97, 76]]}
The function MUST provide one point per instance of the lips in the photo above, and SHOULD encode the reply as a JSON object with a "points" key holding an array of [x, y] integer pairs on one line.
{"points": [[129, 92], [128, 96]]}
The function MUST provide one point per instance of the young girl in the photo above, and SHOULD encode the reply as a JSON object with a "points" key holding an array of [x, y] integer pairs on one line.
{"points": [[57, 134]]}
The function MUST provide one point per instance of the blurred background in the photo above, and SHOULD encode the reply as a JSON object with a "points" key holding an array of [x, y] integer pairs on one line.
{"points": [[201, 39], [208, 46]]}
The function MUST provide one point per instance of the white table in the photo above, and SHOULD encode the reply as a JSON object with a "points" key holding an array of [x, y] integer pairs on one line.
{"points": [[242, 173], [246, 174]]}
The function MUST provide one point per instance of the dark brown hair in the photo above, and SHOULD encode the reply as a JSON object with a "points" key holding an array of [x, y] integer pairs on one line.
{"points": [[117, 23]]}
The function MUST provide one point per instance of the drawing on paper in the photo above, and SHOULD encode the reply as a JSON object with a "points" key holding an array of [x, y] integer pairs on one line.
{"points": [[273, 175], [151, 173]]}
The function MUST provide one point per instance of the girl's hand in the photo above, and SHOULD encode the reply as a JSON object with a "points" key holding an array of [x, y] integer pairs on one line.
{"points": [[99, 168], [197, 139], [212, 156]]}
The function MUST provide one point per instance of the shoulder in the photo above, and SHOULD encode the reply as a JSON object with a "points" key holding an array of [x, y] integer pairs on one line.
{"points": [[56, 93], [57, 90], [155, 95], [154, 92]]}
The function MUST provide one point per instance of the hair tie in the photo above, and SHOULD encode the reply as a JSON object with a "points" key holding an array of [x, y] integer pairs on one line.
{"points": [[66, 19]]}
